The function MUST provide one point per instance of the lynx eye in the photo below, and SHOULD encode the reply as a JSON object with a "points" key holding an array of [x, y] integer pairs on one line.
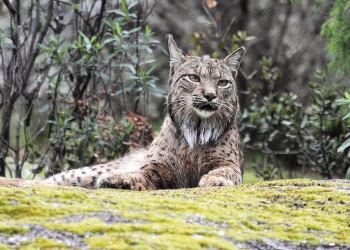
{"points": [[223, 83], [194, 78]]}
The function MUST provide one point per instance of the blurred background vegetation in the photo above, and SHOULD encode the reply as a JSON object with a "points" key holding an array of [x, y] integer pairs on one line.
{"points": [[82, 81]]}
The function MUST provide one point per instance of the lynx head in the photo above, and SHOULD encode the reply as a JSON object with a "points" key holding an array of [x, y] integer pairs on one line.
{"points": [[202, 99]]}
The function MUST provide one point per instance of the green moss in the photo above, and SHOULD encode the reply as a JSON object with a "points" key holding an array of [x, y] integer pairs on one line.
{"points": [[294, 210], [4, 247], [163, 241], [43, 243], [10, 229]]}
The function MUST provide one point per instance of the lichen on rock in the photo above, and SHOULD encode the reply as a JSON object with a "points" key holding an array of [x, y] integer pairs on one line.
{"points": [[279, 214]]}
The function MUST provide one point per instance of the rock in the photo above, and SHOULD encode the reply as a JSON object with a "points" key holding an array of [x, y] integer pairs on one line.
{"points": [[288, 214]]}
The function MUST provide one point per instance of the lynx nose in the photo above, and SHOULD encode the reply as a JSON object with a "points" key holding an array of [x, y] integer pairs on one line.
{"points": [[209, 96]]}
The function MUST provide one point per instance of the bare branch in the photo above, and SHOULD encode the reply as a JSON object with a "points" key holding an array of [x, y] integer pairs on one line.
{"points": [[100, 15], [9, 6], [42, 34], [35, 29], [212, 19], [228, 28]]}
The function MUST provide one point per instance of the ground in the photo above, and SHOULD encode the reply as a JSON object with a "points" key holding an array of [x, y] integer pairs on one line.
{"points": [[292, 214]]}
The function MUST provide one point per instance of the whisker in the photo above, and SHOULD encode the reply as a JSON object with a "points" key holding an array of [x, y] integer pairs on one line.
{"points": [[177, 101], [181, 106]]}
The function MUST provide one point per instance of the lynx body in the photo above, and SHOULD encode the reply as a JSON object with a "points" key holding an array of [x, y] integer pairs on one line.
{"points": [[198, 144]]}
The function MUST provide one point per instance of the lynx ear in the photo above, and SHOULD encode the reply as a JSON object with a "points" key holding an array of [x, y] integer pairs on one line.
{"points": [[176, 56], [234, 59]]}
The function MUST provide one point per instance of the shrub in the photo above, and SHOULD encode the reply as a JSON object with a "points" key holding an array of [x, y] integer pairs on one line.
{"points": [[90, 78], [291, 135]]}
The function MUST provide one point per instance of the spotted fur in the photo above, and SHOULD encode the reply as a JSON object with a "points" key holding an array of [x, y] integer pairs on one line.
{"points": [[198, 144]]}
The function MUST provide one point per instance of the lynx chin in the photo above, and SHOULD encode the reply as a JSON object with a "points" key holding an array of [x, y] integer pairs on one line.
{"points": [[198, 144]]}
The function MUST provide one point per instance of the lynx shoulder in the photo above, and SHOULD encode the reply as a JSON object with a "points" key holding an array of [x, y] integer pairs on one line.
{"points": [[198, 144]]}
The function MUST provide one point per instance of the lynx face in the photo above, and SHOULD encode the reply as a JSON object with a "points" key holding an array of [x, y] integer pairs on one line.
{"points": [[202, 100]]}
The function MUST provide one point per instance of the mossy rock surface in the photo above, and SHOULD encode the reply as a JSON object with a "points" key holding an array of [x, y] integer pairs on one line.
{"points": [[292, 214]]}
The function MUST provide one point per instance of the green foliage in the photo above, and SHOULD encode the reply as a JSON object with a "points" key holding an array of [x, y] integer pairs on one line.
{"points": [[331, 149], [239, 38], [345, 146], [328, 130], [336, 29], [345, 102], [267, 172], [224, 45], [78, 80], [98, 138], [90, 78], [278, 126]]}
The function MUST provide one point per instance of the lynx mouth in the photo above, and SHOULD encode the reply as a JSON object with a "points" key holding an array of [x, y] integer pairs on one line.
{"points": [[207, 107], [205, 110]]}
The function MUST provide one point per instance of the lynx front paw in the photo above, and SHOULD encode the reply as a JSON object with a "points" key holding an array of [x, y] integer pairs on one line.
{"points": [[130, 181], [210, 181], [224, 176]]}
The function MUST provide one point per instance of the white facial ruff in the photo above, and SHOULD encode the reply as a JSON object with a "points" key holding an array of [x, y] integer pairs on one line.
{"points": [[204, 113], [190, 136]]}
